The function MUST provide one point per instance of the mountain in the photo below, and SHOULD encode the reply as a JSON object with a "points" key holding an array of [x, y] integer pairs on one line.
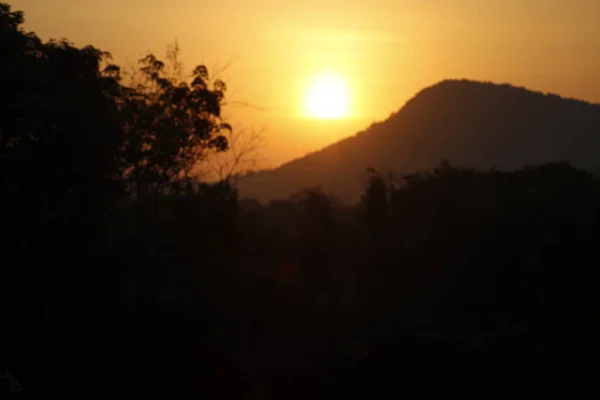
{"points": [[468, 123]]}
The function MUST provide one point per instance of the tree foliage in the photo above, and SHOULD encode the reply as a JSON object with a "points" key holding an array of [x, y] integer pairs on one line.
{"points": [[60, 130], [170, 125]]}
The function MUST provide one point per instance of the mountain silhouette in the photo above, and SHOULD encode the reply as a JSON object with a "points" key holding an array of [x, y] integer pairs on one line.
{"points": [[474, 124]]}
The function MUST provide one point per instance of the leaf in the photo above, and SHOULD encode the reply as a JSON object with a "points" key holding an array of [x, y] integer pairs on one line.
{"points": [[220, 86], [199, 83], [201, 72], [219, 143]]}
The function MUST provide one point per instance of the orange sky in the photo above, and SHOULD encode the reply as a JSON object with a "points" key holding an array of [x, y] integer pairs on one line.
{"points": [[386, 50]]}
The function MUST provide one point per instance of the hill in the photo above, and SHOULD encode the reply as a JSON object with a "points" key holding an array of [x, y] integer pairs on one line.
{"points": [[474, 124]]}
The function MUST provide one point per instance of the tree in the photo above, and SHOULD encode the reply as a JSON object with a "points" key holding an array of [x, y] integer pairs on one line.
{"points": [[375, 202], [240, 157], [170, 125], [60, 137], [59, 129]]}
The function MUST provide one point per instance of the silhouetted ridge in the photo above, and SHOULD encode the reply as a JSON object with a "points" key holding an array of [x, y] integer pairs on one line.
{"points": [[470, 123]]}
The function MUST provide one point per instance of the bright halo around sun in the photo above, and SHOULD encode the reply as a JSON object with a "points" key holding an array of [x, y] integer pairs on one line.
{"points": [[327, 97]]}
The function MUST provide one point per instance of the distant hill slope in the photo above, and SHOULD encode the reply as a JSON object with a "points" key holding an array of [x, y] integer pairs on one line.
{"points": [[468, 123]]}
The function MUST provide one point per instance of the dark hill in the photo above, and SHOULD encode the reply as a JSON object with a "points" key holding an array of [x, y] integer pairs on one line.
{"points": [[469, 123]]}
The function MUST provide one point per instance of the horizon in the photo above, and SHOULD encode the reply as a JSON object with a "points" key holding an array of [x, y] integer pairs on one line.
{"points": [[271, 54], [394, 113]]}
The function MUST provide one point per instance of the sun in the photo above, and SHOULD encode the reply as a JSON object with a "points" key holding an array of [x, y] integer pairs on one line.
{"points": [[327, 97]]}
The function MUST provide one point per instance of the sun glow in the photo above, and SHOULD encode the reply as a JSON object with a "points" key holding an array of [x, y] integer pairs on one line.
{"points": [[327, 97]]}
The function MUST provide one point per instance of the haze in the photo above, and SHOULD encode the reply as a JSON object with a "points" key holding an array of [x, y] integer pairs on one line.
{"points": [[385, 51]]}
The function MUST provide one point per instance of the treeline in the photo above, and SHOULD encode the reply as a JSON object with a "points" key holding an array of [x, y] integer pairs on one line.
{"points": [[79, 146], [124, 277]]}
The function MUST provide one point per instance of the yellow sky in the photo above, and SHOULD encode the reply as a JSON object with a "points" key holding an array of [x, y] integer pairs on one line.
{"points": [[386, 50]]}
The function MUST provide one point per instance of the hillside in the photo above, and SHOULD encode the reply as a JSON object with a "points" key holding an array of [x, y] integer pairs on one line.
{"points": [[468, 123]]}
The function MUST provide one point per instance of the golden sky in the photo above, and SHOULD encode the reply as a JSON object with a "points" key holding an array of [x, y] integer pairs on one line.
{"points": [[385, 50]]}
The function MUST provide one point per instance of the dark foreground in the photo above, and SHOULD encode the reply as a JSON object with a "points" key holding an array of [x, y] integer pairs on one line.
{"points": [[155, 363]]}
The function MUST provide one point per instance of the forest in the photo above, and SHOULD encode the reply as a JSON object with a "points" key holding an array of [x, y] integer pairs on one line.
{"points": [[123, 275]]}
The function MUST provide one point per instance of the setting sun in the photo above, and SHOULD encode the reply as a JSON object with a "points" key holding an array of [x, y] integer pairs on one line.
{"points": [[327, 98]]}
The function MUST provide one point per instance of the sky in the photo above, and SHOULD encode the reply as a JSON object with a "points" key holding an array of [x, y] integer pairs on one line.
{"points": [[270, 52]]}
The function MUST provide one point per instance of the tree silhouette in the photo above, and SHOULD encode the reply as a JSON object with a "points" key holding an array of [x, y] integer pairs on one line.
{"points": [[375, 203], [169, 126], [60, 136], [244, 146], [59, 133]]}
